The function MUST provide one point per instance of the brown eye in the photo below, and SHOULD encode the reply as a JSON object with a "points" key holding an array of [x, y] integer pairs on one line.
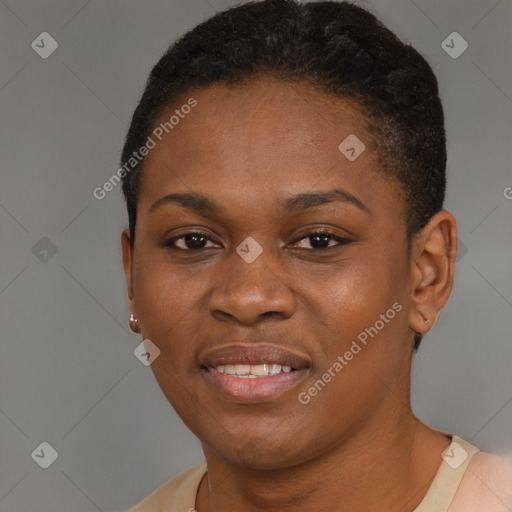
{"points": [[322, 240], [189, 241]]}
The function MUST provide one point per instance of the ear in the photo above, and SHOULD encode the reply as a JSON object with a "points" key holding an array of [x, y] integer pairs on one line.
{"points": [[128, 267], [433, 255]]}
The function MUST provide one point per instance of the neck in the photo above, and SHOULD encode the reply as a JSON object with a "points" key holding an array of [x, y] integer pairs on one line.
{"points": [[388, 469]]}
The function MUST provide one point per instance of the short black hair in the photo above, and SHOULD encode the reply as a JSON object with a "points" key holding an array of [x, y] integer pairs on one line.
{"points": [[336, 47]]}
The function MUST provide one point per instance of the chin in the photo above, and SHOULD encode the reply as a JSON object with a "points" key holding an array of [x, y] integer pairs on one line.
{"points": [[262, 455]]}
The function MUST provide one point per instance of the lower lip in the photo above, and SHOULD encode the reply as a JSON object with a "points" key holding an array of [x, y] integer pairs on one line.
{"points": [[251, 391]]}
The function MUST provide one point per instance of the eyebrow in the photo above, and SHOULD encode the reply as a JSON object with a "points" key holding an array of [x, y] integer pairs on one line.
{"points": [[312, 199], [204, 205]]}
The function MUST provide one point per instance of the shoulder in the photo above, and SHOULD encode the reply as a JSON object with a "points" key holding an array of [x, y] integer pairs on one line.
{"points": [[486, 485], [179, 493]]}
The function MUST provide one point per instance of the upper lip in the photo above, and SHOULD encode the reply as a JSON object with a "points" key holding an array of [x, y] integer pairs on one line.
{"points": [[255, 353]]}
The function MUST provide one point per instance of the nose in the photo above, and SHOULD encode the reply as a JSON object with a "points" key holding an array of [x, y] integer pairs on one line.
{"points": [[249, 292]]}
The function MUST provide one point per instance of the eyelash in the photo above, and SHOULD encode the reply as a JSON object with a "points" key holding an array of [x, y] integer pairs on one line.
{"points": [[341, 241]]}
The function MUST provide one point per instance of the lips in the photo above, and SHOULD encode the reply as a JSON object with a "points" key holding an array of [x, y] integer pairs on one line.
{"points": [[253, 373], [254, 354]]}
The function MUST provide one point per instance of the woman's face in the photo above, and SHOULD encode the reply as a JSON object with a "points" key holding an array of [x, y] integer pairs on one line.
{"points": [[256, 286]]}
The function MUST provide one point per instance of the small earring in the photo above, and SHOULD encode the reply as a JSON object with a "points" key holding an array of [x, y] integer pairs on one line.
{"points": [[134, 324], [427, 321]]}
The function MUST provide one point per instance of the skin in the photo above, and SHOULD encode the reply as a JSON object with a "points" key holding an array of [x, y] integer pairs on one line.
{"points": [[356, 445]]}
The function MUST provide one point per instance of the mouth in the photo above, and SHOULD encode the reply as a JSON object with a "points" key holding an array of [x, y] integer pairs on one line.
{"points": [[253, 373]]}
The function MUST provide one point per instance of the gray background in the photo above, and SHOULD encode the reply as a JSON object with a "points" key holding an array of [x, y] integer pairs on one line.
{"points": [[68, 375]]}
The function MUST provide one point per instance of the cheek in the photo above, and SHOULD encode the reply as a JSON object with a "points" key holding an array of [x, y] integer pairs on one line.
{"points": [[353, 296], [358, 352], [170, 303], [170, 306], [360, 314]]}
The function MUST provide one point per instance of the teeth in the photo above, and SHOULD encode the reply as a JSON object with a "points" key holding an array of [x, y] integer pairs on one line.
{"points": [[276, 368], [243, 369], [230, 369], [252, 371], [260, 369]]}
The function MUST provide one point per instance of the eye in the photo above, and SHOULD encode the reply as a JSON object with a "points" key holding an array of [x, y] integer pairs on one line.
{"points": [[193, 240], [196, 241], [322, 240]]}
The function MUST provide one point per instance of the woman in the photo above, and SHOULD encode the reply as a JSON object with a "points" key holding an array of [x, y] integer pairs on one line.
{"points": [[287, 248]]}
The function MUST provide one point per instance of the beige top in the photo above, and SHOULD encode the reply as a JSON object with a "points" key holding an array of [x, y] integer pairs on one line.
{"points": [[485, 487]]}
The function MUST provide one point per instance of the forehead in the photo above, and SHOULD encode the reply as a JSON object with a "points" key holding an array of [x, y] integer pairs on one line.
{"points": [[264, 138]]}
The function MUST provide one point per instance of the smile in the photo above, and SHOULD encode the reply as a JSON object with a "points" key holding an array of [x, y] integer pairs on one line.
{"points": [[253, 371]]}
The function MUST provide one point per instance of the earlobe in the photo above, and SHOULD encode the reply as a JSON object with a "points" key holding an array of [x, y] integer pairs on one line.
{"points": [[134, 324], [432, 270]]}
